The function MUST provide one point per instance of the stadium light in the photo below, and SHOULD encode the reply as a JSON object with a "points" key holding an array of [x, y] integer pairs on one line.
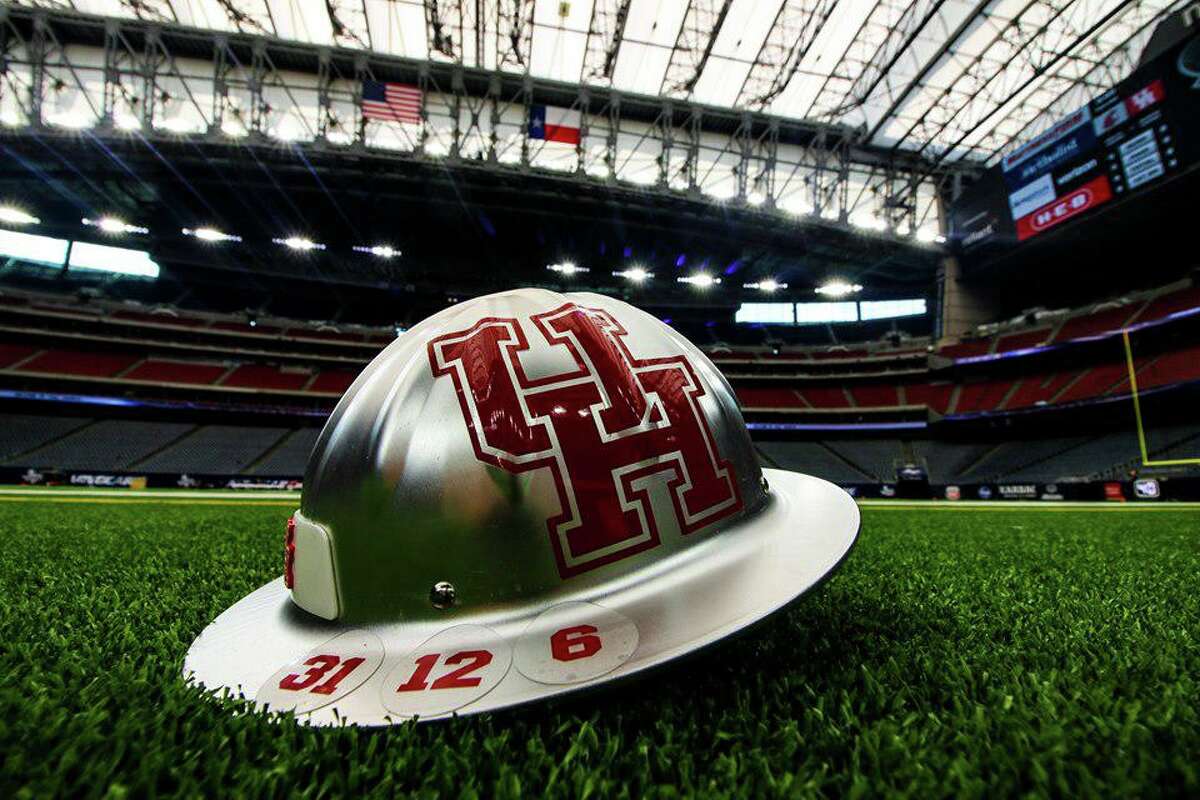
{"points": [[234, 129], [837, 288], [566, 268], [15, 216], [700, 280], [869, 222], [114, 226], [756, 198], [767, 285], [127, 122], [178, 125], [635, 274], [928, 235], [210, 235], [71, 120], [380, 250], [299, 243]]}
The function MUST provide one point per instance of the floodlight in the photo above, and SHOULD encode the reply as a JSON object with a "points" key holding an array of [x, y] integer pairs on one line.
{"points": [[114, 226], [380, 250], [767, 285], [210, 235], [15, 216], [299, 243], [700, 280], [838, 288], [635, 274]]}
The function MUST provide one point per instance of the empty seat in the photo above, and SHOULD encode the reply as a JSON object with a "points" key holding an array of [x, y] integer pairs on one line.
{"points": [[20, 433], [110, 445], [290, 457], [812, 458], [223, 449]]}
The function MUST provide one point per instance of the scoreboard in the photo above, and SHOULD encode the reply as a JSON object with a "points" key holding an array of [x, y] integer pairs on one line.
{"points": [[1129, 140]]}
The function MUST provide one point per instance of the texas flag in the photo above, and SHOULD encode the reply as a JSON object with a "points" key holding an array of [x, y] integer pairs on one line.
{"points": [[554, 124]]}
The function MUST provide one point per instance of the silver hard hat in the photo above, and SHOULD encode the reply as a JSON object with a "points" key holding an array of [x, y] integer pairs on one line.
{"points": [[527, 493]]}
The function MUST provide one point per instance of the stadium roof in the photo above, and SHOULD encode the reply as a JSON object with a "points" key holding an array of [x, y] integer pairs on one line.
{"points": [[952, 80]]}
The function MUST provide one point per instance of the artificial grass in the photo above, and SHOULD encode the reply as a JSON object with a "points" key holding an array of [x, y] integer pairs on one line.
{"points": [[956, 653]]}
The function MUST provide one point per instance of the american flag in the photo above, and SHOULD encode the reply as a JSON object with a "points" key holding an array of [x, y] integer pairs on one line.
{"points": [[391, 102]]}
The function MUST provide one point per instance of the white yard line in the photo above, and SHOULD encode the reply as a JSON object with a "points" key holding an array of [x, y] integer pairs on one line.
{"points": [[1026, 505], [50, 492]]}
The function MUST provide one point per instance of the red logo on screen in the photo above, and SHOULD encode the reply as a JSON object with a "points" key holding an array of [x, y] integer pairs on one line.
{"points": [[1149, 95], [1072, 204], [603, 429]]}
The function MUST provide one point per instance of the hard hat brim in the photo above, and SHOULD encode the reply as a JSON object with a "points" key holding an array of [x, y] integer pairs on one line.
{"points": [[267, 650]]}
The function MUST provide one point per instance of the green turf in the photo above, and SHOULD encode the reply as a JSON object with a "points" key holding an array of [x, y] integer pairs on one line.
{"points": [[957, 653]]}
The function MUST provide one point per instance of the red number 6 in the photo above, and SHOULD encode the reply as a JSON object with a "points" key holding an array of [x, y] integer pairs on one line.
{"points": [[579, 641]]}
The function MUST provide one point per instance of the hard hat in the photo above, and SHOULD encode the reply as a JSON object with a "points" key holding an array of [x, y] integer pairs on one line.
{"points": [[525, 494]]}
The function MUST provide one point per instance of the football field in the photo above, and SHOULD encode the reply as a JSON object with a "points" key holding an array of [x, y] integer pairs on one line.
{"points": [[973, 651]]}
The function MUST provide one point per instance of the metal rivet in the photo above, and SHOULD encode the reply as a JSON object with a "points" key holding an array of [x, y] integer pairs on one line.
{"points": [[762, 481], [442, 594]]}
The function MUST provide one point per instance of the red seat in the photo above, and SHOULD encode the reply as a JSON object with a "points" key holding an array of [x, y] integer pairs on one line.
{"points": [[1039, 389], [1177, 367], [758, 397], [825, 397], [1096, 382], [1022, 341], [981, 396], [1112, 319], [12, 353], [167, 371], [934, 395], [875, 396], [258, 376], [332, 382], [74, 362], [1168, 304]]}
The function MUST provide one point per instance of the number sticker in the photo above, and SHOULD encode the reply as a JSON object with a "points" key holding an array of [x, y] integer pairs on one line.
{"points": [[575, 642], [450, 670], [324, 674]]}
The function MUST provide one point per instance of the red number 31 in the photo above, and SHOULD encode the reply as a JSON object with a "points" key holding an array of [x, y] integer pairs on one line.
{"points": [[319, 666]]}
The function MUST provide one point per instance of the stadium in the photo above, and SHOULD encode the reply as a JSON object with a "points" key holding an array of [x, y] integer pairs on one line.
{"points": [[938, 255]]}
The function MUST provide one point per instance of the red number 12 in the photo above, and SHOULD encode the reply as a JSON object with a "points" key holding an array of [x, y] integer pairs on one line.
{"points": [[455, 679]]}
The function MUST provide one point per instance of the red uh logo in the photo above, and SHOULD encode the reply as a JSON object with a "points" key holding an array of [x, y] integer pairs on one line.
{"points": [[604, 429]]}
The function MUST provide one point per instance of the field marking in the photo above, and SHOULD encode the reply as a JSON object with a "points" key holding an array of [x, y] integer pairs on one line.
{"points": [[1025, 505], [179, 494], [129, 501]]}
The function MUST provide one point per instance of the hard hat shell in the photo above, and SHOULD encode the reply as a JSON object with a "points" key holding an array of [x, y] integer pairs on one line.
{"points": [[521, 445]]}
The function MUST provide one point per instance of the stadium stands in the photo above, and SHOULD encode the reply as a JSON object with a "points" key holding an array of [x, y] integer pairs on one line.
{"points": [[947, 462], [812, 458], [104, 445], [1005, 459], [289, 456], [214, 449], [21, 433], [1086, 459], [76, 443], [194, 350], [877, 458]]}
